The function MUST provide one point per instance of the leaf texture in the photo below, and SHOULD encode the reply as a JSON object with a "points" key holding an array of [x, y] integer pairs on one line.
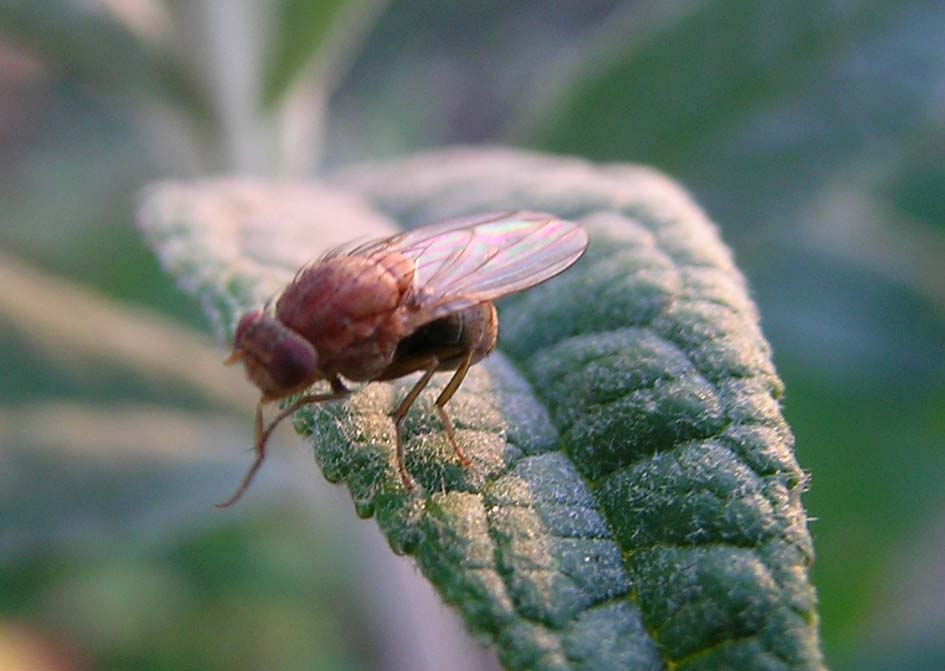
{"points": [[634, 500]]}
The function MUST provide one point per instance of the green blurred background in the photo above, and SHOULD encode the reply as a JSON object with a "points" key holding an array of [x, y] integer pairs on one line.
{"points": [[813, 132]]}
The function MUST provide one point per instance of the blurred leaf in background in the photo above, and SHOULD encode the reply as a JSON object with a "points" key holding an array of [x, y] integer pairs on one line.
{"points": [[302, 28], [114, 417], [259, 592], [434, 73]]}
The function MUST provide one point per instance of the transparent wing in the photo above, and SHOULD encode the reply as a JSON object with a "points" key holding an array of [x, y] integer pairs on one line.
{"points": [[463, 262]]}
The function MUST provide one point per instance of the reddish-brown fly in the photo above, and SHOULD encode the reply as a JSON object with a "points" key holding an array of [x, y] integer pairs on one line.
{"points": [[418, 301]]}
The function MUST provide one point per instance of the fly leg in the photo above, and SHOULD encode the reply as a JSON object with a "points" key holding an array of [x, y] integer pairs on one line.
{"points": [[338, 391], [444, 398], [398, 416]]}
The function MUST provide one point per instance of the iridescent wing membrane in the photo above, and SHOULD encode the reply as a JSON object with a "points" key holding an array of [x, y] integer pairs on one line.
{"points": [[464, 262]]}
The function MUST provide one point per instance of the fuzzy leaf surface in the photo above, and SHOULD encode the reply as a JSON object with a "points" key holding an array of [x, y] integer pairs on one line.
{"points": [[634, 500]]}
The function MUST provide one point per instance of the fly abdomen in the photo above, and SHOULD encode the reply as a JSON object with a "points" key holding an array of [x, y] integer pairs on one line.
{"points": [[440, 337]]}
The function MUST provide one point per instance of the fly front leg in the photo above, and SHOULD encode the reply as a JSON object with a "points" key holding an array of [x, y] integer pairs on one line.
{"points": [[258, 425], [398, 415], [444, 398], [338, 391]]}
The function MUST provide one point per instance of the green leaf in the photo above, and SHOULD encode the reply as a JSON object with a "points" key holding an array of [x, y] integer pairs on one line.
{"points": [[676, 84], [91, 47], [634, 501], [756, 105], [302, 29]]}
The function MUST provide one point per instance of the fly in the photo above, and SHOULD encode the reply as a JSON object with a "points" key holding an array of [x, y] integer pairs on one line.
{"points": [[417, 301]]}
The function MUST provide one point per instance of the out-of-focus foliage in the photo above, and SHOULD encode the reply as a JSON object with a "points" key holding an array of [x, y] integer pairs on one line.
{"points": [[254, 593], [303, 26], [812, 132], [765, 97], [91, 46]]}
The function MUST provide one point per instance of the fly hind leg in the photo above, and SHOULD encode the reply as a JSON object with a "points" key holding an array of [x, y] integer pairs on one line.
{"points": [[444, 398], [429, 367], [398, 415]]}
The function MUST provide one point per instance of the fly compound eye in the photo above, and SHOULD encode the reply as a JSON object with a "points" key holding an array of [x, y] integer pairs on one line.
{"points": [[294, 363]]}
